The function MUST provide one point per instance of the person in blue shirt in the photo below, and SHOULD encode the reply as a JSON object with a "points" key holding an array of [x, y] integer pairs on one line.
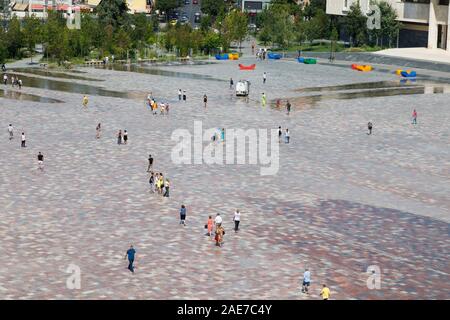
{"points": [[131, 253], [183, 215], [306, 281]]}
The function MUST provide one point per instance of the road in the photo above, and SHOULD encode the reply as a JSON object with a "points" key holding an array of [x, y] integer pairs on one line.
{"points": [[189, 10]]}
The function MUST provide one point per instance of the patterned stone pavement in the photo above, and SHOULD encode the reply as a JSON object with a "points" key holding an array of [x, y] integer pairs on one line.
{"points": [[341, 201]]}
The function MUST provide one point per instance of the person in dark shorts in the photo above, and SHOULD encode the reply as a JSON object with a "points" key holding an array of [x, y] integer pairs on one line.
{"points": [[131, 254], [150, 163], [184, 95], [125, 136], [306, 281], [205, 100], [280, 133], [183, 215], [369, 127], [23, 139], [288, 107], [40, 158]]}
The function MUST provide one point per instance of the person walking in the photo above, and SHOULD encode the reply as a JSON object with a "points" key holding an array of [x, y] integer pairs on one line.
{"points": [[325, 293], [85, 101], [19, 82], [150, 163], [119, 137], [40, 158], [13, 81], [179, 94], [218, 220], [414, 117], [306, 281], [11, 131], [231, 83], [220, 232], [222, 134], [5, 79], [280, 133], [98, 130], [264, 77], [369, 127], [286, 136], [237, 220], [131, 255], [288, 107], [205, 100], [183, 215], [166, 188], [160, 183], [263, 99], [23, 139], [209, 226], [151, 181], [125, 136], [184, 95]]}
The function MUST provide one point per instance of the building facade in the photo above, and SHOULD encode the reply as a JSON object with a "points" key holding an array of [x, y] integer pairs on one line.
{"points": [[425, 23]]}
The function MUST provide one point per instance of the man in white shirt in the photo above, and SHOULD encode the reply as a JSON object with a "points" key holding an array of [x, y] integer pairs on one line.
{"points": [[218, 220], [236, 219], [5, 79], [23, 140], [306, 281], [11, 131]]}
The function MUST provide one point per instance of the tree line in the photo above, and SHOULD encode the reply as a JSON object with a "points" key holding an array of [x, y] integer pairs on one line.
{"points": [[285, 23], [111, 30]]}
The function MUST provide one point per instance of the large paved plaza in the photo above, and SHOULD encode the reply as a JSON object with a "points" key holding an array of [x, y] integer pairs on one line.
{"points": [[341, 201]]}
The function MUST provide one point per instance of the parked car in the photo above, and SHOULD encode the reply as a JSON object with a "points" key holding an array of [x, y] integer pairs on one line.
{"points": [[243, 88], [197, 17]]}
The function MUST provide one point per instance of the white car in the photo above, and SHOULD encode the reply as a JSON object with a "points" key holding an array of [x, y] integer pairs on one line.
{"points": [[243, 88]]}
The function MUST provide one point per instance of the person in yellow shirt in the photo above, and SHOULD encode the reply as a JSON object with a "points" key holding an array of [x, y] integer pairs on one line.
{"points": [[85, 101], [325, 293]]}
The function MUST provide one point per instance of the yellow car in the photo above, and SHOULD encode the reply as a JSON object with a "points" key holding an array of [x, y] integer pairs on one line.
{"points": [[173, 22]]}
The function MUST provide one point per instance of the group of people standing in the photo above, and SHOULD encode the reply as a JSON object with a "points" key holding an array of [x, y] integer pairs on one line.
{"points": [[122, 138], [159, 184], [182, 95], [286, 135], [153, 105], [261, 54], [15, 81]]}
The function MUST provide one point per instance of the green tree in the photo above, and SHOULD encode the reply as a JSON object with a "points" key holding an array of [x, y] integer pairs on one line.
{"points": [[278, 25], [234, 26], [312, 7], [213, 7], [122, 42], [112, 12], [14, 38], [317, 27], [389, 24], [356, 24], [3, 48], [55, 35], [31, 31]]}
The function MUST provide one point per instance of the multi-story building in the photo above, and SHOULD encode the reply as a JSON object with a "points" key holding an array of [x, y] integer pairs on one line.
{"points": [[425, 23], [22, 8]]}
